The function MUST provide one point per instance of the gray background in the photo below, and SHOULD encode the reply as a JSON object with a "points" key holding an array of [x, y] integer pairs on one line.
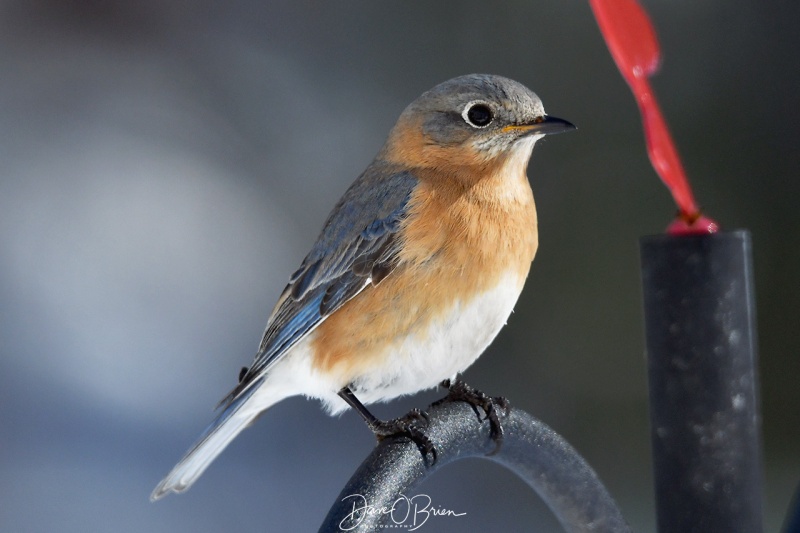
{"points": [[165, 166]]}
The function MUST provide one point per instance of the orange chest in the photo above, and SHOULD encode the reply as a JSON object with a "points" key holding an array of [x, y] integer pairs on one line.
{"points": [[472, 238], [454, 249]]}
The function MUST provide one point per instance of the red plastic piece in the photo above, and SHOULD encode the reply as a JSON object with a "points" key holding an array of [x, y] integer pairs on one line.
{"points": [[701, 224], [632, 42]]}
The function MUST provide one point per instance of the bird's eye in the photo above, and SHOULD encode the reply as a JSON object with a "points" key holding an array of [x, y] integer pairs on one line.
{"points": [[477, 114]]}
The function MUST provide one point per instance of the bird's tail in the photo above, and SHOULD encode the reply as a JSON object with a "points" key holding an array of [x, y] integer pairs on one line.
{"points": [[236, 416]]}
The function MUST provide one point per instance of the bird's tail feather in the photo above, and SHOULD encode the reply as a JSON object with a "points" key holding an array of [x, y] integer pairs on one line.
{"points": [[236, 416]]}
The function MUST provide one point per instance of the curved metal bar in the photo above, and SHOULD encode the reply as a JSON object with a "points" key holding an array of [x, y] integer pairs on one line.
{"points": [[533, 451]]}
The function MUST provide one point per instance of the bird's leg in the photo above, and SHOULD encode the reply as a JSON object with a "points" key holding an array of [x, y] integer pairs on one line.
{"points": [[405, 425], [461, 392]]}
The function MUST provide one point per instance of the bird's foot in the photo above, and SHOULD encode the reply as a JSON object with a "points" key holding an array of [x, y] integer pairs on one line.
{"points": [[409, 425], [461, 392]]}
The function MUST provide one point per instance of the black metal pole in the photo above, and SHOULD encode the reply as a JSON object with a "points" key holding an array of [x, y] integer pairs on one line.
{"points": [[379, 496], [704, 410]]}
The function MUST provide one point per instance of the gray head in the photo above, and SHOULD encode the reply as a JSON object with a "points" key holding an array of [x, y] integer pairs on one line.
{"points": [[475, 117]]}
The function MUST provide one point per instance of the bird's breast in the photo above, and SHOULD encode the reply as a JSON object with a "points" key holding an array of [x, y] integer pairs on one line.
{"points": [[471, 234], [461, 267]]}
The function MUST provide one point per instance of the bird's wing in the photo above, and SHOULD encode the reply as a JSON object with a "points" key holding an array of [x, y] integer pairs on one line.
{"points": [[357, 246]]}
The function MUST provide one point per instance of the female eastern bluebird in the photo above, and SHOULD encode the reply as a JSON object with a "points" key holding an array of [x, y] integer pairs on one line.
{"points": [[415, 271]]}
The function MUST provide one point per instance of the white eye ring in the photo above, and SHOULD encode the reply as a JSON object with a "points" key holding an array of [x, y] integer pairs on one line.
{"points": [[474, 121]]}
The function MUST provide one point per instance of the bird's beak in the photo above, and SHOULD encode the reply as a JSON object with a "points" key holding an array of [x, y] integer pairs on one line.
{"points": [[545, 125]]}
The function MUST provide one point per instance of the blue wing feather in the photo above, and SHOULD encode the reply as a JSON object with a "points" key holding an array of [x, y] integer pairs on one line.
{"points": [[357, 245]]}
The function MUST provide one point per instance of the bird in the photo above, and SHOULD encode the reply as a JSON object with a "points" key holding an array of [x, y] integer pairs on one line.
{"points": [[416, 269]]}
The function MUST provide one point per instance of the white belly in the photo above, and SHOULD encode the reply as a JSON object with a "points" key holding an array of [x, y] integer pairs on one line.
{"points": [[417, 362], [423, 360]]}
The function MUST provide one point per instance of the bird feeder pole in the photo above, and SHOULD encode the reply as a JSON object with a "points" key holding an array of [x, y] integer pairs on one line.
{"points": [[700, 327]]}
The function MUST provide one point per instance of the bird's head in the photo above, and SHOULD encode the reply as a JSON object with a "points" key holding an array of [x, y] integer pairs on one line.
{"points": [[473, 121]]}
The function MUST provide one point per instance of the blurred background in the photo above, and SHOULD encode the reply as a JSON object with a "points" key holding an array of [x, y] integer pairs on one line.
{"points": [[165, 166]]}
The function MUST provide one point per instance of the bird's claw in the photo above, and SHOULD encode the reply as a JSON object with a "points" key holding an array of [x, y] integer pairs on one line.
{"points": [[458, 391], [408, 425]]}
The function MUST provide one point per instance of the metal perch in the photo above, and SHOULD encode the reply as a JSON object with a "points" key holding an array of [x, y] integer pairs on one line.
{"points": [[533, 451]]}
